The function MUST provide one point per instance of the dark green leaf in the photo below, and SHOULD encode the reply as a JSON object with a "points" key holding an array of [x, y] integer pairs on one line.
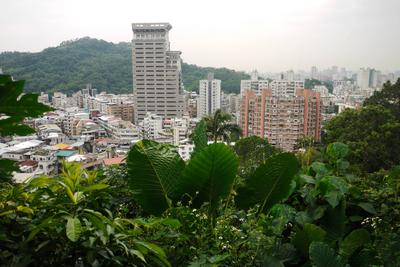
{"points": [[321, 255], [210, 174], [270, 183], [154, 172], [353, 241], [303, 238]]}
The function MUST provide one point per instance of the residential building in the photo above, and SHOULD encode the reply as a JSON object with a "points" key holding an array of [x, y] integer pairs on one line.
{"points": [[368, 78], [253, 84], [282, 119], [314, 73], [151, 126], [122, 131], [209, 96], [285, 87], [125, 111], [157, 78]]}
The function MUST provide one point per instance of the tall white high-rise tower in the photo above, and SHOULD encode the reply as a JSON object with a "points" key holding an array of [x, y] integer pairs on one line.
{"points": [[157, 77]]}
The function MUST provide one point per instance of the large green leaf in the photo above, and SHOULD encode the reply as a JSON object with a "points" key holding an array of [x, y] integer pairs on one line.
{"points": [[7, 166], [210, 174], [303, 238], [321, 255], [270, 183], [154, 172], [16, 107], [334, 222], [332, 188], [337, 150], [353, 241], [73, 228]]}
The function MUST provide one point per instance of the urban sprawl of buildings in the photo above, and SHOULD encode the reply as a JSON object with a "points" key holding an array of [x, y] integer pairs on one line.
{"points": [[97, 129]]}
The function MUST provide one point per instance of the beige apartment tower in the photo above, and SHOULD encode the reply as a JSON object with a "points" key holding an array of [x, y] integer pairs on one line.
{"points": [[157, 77], [282, 119]]}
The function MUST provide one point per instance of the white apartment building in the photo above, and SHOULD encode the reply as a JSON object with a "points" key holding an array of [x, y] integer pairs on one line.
{"points": [[185, 150], [122, 131], [285, 87], [254, 84], [151, 126], [209, 96], [47, 161]]}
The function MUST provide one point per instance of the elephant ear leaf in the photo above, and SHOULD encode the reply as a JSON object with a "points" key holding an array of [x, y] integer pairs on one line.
{"points": [[353, 242], [210, 174], [270, 183], [303, 238], [321, 255], [154, 172]]}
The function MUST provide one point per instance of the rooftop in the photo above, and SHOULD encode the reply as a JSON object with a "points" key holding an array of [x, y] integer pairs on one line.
{"points": [[61, 146], [151, 26], [75, 158], [21, 146], [114, 161], [65, 153]]}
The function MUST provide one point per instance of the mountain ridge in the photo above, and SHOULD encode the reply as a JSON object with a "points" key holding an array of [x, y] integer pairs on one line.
{"points": [[72, 64]]}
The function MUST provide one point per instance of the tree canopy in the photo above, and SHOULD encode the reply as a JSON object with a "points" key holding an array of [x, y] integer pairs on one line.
{"points": [[372, 132], [220, 127], [388, 97]]}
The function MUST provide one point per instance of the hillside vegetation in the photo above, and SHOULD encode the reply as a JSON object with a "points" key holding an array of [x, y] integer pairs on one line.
{"points": [[107, 66]]}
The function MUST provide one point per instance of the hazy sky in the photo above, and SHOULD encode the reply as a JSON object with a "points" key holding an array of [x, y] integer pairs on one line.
{"points": [[267, 35]]}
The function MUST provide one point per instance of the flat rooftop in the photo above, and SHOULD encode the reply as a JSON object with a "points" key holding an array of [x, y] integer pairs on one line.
{"points": [[151, 26]]}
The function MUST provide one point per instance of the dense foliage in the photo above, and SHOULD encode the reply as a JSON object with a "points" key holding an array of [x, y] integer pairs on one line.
{"points": [[278, 215], [77, 219], [230, 79], [250, 205], [107, 66], [372, 132]]}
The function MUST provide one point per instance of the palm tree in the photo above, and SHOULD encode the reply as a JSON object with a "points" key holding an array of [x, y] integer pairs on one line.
{"points": [[220, 126]]}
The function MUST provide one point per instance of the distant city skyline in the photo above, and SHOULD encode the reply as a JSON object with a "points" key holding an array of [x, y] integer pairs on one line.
{"points": [[270, 36]]}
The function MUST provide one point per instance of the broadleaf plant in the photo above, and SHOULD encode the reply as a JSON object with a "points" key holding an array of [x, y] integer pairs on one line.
{"points": [[270, 183], [154, 172]]}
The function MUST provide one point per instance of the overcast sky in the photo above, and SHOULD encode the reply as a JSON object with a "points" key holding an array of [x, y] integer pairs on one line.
{"points": [[266, 35]]}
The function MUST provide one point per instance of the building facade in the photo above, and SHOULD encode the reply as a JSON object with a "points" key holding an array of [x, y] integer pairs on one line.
{"points": [[285, 87], [124, 111], [253, 84], [209, 96], [283, 120], [157, 78]]}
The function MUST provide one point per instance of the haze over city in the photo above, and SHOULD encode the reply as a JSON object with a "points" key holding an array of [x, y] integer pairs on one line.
{"points": [[266, 35]]}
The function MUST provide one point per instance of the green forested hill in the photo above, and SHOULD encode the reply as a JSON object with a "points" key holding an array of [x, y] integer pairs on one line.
{"points": [[108, 66], [230, 79]]}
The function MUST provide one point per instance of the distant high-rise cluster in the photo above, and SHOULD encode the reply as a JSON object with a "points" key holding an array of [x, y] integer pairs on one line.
{"points": [[368, 78], [157, 78]]}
